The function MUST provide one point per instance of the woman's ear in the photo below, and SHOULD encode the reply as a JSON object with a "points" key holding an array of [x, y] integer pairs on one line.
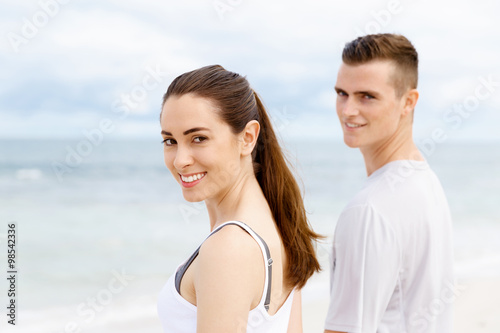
{"points": [[410, 101], [250, 136]]}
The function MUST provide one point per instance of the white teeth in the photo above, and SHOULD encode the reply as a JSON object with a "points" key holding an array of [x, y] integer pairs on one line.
{"points": [[192, 178], [353, 125]]}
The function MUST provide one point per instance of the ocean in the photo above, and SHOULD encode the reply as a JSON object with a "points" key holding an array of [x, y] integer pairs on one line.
{"points": [[100, 228]]}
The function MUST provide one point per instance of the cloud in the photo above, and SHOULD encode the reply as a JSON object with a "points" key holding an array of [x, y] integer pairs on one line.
{"points": [[91, 54]]}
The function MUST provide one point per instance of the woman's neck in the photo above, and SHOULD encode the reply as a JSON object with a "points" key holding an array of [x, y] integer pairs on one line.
{"points": [[240, 199]]}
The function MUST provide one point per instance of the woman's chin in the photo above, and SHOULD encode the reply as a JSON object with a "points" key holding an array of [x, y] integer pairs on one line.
{"points": [[191, 197]]}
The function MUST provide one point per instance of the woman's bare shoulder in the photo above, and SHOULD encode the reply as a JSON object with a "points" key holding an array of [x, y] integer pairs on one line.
{"points": [[231, 244], [230, 271]]}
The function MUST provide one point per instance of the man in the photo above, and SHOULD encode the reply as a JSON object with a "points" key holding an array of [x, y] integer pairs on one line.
{"points": [[392, 266]]}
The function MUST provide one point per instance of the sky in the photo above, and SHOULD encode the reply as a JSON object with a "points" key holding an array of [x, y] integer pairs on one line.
{"points": [[70, 68]]}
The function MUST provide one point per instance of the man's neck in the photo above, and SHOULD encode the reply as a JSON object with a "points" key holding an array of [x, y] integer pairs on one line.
{"points": [[399, 147]]}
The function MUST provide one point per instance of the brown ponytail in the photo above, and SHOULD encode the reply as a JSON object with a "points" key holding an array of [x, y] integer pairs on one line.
{"points": [[285, 200], [238, 105]]}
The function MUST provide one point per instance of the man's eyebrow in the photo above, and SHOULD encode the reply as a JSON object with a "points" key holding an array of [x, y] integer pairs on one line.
{"points": [[361, 92], [194, 129], [367, 92]]}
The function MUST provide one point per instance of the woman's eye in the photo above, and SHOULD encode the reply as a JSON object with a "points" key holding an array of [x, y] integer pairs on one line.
{"points": [[169, 142], [199, 139]]}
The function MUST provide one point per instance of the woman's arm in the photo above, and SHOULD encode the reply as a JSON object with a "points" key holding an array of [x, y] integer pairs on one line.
{"points": [[228, 281], [295, 323]]}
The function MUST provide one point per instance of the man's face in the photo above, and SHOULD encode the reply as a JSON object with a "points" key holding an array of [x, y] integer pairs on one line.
{"points": [[368, 108]]}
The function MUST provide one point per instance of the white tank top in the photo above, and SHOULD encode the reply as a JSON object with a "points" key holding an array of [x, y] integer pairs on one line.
{"points": [[179, 316]]}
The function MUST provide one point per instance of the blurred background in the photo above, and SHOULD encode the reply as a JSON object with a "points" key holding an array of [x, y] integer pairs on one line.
{"points": [[101, 224]]}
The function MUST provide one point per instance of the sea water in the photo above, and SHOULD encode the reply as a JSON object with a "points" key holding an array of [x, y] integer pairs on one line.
{"points": [[100, 233]]}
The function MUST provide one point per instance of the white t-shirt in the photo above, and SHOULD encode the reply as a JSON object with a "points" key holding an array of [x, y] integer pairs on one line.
{"points": [[392, 266]]}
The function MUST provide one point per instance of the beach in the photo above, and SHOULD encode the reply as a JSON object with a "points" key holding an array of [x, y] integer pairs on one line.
{"points": [[477, 307], [96, 247]]}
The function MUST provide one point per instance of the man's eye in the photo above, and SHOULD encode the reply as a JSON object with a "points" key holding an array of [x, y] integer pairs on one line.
{"points": [[341, 93]]}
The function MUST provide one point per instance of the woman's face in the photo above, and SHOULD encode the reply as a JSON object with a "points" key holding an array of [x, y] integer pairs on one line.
{"points": [[200, 150]]}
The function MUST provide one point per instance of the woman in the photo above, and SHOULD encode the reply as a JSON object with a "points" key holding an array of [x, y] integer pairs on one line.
{"points": [[246, 276]]}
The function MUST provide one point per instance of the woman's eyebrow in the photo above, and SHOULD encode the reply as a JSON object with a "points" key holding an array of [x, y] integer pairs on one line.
{"points": [[194, 129]]}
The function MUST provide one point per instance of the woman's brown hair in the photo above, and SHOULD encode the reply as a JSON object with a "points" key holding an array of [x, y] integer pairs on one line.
{"points": [[237, 105]]}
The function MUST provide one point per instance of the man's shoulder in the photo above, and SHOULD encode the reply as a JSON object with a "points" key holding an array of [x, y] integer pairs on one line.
{"points": [[395, 180], [393, 186], [361, 213], [397, 192]]}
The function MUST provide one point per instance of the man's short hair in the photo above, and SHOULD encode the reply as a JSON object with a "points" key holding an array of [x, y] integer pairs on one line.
{"points": [[392, 47]]}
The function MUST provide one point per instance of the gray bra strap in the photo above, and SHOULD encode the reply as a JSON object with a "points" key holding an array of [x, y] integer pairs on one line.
{"points": [[268, 261]]}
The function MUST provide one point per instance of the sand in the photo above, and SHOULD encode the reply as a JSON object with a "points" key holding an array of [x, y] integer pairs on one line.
{"points": [[477, 306], [477, 309]]}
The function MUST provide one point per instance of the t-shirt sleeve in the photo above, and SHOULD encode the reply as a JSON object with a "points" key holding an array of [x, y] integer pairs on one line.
{"points": [[366, 264]]}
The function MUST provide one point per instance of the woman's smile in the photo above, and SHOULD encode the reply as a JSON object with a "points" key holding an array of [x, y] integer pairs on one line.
{"points": [[192, 179]]}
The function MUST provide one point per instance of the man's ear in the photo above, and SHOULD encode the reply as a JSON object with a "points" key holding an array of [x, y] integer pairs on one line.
{"points": [[410, 99], [249, 137]]}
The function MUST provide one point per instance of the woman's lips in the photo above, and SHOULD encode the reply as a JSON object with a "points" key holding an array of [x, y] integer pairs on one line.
{"points": [[192, 179], [353, 125]]}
